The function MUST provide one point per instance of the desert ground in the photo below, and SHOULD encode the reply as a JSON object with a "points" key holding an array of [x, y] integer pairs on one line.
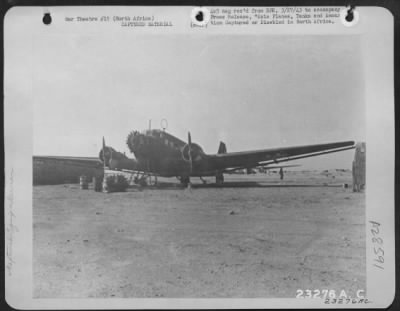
{"points": [[257, 236]]}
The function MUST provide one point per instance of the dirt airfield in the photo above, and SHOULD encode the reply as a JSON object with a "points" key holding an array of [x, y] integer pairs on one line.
{"points": [[256, 236]]}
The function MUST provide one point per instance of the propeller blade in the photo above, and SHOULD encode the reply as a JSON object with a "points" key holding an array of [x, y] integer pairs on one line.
{"points": [[190, 152], [104, 148], [104, 152]]}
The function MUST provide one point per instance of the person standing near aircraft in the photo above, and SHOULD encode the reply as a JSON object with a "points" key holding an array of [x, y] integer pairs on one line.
{"points": [[281, 173]]}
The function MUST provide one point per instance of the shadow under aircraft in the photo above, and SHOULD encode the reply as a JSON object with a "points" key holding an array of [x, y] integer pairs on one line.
{"points": [[158, 153]]}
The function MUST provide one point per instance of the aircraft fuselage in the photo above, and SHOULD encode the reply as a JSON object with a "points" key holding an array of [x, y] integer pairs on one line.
{"points": [[161, 153]]}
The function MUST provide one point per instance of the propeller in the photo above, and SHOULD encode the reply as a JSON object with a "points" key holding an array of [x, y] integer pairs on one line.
{"points": [[106, 154], [190, 153]]}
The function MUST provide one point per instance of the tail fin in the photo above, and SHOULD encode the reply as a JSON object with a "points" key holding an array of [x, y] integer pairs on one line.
{"points": [[222, 148]]}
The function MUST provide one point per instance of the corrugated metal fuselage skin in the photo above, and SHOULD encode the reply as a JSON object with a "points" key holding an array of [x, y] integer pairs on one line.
{"points": [[161, 153]]}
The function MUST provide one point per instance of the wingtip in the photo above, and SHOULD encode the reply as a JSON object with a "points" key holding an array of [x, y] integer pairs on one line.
{"points": [[347, 143]]}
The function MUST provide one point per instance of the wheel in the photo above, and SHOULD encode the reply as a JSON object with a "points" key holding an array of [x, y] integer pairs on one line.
{"points": [[219, 178], [143, 182], [185, 180]]}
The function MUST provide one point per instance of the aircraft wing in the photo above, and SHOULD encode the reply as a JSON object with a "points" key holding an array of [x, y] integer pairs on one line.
{"points": [[76, 161], [250, 159], [265, 167], [278, 166]]}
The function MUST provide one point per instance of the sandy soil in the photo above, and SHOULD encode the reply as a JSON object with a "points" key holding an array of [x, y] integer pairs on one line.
{"points": [[265, 241]]}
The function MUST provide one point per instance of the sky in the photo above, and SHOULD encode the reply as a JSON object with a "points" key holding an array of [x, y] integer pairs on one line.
{"points": [[252, 92]]}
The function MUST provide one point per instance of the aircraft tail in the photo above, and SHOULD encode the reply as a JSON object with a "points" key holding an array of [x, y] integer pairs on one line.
{"points": [[222, 148]]}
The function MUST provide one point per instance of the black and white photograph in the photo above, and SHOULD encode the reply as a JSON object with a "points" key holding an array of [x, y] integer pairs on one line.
{"points": [[208, 154]]}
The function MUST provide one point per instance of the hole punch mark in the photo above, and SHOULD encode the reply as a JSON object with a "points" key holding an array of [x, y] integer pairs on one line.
{"points": [[47, 19], [350, 14], [200, 16]]}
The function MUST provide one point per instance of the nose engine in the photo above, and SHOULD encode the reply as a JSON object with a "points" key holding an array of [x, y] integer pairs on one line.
{"points": [[134, 141]]}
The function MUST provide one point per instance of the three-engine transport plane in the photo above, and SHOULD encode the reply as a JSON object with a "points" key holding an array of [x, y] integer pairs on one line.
{"points": [[158, 153]]}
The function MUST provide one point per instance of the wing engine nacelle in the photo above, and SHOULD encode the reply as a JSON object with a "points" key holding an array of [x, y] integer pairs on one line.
{"points": [[109, 153], [195, 151]]}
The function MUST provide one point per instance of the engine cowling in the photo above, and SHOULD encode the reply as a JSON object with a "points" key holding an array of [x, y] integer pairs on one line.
{"points": [[110, 153], [196, 152], [134, 141]]}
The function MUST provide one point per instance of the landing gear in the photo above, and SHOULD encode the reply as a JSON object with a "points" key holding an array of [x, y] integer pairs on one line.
{"points": [[185, 180], [145, 180], [219, 178]]}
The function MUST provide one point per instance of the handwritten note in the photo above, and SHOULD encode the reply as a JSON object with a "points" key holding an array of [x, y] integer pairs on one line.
{"points": [[11, 228]]}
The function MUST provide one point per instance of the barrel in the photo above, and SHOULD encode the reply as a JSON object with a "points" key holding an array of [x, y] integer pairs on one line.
{"points": [[97, 183], [83, 182]]}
